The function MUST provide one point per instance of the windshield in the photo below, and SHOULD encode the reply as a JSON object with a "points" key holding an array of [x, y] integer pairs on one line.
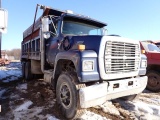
{"points": [[77, 28], [152, 47]]}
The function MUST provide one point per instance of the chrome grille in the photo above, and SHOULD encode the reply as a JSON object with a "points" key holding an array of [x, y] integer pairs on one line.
{"points": [[121, 57]]}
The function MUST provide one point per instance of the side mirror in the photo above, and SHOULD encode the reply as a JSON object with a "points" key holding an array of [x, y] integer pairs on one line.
{"points": [[45, 27], [3, 20], [45, 24]]}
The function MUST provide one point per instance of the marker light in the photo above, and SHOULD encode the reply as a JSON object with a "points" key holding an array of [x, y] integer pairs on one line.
{"points": [[143, 51], [81, 47]]}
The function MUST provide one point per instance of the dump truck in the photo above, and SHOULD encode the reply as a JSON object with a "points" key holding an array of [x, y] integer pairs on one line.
{"points": [[85, 66], [152, 52]]}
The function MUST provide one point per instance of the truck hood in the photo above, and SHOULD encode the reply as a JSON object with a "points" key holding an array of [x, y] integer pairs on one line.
{"points": [[91, 42], [153, 58], [155, 55]]}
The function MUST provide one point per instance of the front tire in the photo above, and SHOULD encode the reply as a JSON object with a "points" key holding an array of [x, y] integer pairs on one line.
{"points": [[67, 96], [153, 81]]}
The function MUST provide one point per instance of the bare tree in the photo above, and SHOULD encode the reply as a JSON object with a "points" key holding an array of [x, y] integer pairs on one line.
{"points": [[16, 53]]}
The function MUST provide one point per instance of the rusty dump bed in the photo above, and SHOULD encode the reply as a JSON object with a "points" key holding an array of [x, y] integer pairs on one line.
{"points": [[31, 42], [27, 33]]}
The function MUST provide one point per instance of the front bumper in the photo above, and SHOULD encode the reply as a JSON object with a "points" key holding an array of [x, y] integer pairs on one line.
{"points": [[98, 94]]}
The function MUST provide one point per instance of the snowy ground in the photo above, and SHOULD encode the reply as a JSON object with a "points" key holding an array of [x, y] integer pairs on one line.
{"points": [[10, 73], [36, 100]]}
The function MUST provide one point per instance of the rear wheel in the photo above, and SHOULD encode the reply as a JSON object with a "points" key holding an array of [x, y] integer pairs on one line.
{"points": [[23, 69], [28, 73], [153, 81], [67, 96]]}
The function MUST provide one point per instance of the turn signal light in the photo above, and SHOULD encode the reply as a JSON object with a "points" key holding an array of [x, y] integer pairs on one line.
{"points": [[143, 51], [81, 47]]}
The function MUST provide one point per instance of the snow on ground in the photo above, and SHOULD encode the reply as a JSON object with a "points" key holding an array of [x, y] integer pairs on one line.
{"points": [[23, 112], [108, 107], [143, 110], [2, 91], [51, 117], [22, 86], [92, 116], [27, 113], [10, 72], [147, 108], [24, 106]]}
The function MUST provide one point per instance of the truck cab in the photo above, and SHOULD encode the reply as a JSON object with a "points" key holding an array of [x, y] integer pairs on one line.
{"points": [[153, 64], [68, 31], [84, 65]]}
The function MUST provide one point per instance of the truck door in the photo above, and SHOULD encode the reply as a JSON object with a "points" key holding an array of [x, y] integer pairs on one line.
{"points": [[52, 44]]}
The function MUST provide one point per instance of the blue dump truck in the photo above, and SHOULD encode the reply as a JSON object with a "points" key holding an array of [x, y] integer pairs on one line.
{"points": [[84, 66]]}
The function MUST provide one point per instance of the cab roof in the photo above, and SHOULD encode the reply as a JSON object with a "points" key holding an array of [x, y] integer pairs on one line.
{"points": [[56, 12]]}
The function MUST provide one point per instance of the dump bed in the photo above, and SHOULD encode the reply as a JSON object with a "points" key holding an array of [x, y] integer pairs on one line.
{"points": [[31, 41], [27, 34], [31, 36]]}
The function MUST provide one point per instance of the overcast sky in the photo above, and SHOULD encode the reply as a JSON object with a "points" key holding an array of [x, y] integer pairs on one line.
{"points": [[136, 19]]}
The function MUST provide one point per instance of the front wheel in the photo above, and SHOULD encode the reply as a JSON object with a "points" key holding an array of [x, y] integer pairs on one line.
{"points": [[67, 96], [153, 81]]}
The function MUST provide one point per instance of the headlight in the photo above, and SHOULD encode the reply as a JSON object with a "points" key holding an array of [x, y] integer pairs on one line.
{"points": [[144, 63], [88, 65]]}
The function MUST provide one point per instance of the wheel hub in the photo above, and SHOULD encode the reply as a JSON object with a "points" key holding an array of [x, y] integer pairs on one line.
{"points": [[65, 95], [153, 81]]}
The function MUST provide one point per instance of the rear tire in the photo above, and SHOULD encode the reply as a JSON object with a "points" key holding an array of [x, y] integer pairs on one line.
{"points": [[67, 96], [153, 81], [28, 73], [23, 69]]}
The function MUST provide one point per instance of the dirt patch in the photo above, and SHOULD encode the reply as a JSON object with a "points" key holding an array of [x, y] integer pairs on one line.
{"points": [[42, 95], [99, 111], [5, 99]]}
